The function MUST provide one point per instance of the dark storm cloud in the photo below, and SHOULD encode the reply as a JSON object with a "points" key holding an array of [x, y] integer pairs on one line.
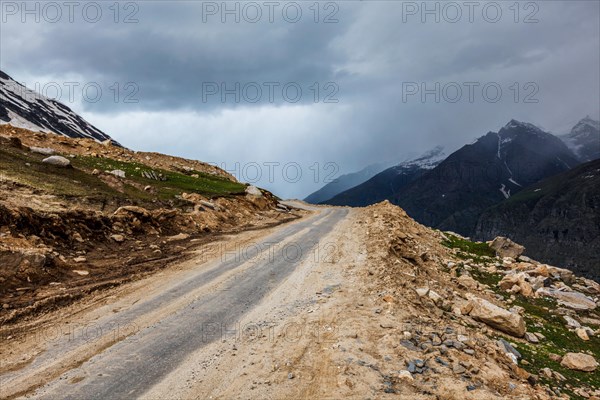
{"points": [[170, 53], [371, 54]]}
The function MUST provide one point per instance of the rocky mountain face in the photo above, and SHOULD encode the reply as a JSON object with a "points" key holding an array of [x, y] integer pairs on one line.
{"points": [[584, 139], [454, 194], [24, 108], [386, 184], [557, 220]]}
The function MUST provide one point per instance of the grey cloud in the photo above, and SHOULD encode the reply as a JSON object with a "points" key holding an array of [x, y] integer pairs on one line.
{"points": [[369, 54]]}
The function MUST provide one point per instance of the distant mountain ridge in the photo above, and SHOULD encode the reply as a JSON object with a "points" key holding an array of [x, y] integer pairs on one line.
{"points": [[387, 183], [584, 139], [345, 182], [24, 108], [557, 220], [479, 175]]}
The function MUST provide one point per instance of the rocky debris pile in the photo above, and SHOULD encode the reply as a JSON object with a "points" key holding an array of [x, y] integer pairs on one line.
{"points": [[525, 329]]}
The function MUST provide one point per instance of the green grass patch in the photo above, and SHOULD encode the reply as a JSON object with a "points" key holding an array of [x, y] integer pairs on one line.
{"points": [[467, 249], [174, 184], [487, 278], [559, 340]]}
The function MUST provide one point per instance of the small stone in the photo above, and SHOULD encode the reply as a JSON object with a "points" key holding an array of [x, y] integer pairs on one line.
{"points": [[532, 338], [6, 306], [405, 375], [459, 369], [81, 272], [441, 361], [581, 332], [469, 351], [558, 376], [290, 376], [555, 357], [118, 238], [547, 372], [571, 322], [80, 259]]}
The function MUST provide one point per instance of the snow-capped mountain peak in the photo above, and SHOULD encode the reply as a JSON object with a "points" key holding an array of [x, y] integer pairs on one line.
{"points": [[428, 160], [584, 139], [24, 108]]}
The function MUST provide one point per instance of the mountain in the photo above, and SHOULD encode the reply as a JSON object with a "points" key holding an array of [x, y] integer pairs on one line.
{"points": [[386, 184], [453, 195], [345, 182], [24, 108], [584, 139], [557, 220]]}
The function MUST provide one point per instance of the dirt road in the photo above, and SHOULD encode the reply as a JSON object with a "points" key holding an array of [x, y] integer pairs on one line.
{"points": [[134, 348], [330, 306]]}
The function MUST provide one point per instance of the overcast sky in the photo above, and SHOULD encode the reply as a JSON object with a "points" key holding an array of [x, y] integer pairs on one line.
{"points": [[185, 78]]}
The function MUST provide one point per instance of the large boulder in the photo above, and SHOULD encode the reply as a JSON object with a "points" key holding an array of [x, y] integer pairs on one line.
{"points": [[506, 248], [496, 317], [579, 362], [574, 300], [59, 161]]}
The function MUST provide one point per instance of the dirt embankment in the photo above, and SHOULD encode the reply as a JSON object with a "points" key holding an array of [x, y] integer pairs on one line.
{"points": [[68, 231]]}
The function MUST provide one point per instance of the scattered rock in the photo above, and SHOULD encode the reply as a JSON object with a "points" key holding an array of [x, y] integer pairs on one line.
{"points": [[118, 173], [253, 191], [532, 338], [181, 236], [81, 272], [497, 317], [574, 300], [555, 357], [506, 248], [208, 204], [582, 333], [59, 161], [42, 150], [579, 362], [571, 322], [118, 238], [405, 375], [467, 282], [80, 259]]}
